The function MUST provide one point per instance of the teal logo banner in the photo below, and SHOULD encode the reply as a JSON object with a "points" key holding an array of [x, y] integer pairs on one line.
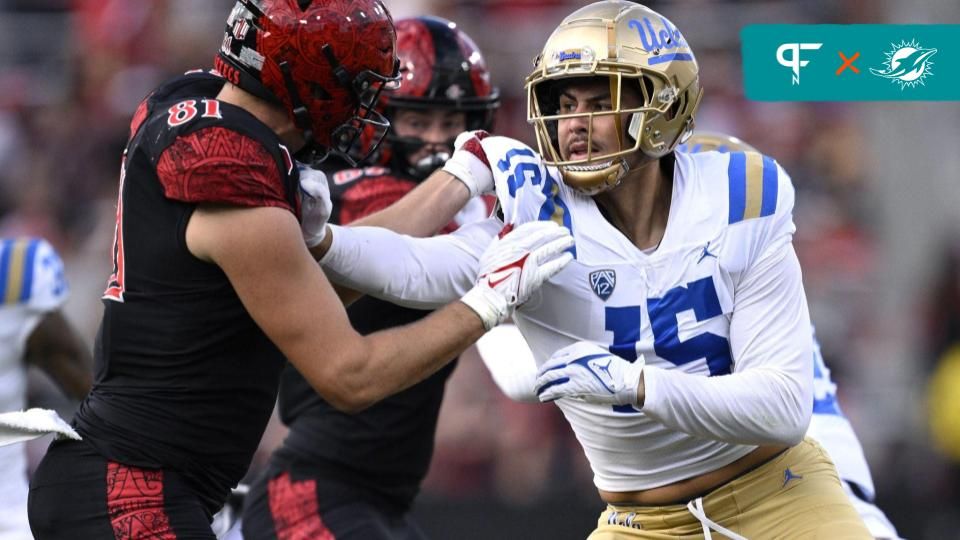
{"points": [[858, 62]]}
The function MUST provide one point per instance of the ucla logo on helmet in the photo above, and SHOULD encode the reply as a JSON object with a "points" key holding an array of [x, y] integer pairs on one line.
{"points": [[667, 39], [602, 282]]}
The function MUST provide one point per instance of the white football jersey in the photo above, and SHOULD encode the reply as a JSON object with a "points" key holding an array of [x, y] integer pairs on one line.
{"points": [[31, 285], [675, 306]]}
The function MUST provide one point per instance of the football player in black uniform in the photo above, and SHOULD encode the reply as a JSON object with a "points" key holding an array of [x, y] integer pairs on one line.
{"points": [[215, 279], [355, 476]]}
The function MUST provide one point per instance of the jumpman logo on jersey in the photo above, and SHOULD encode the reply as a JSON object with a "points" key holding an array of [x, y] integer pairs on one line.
{"points": [[788, 476], [706, 253]]}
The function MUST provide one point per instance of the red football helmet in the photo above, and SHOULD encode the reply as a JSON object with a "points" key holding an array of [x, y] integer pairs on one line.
{"points": [[324, 61], [440, 68]]}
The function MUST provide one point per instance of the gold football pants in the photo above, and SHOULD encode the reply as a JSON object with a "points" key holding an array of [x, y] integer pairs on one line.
{"points": [[796, 495]]}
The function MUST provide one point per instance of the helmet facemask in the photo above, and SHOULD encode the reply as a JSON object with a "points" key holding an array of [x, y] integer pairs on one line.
{"points": [[365, 121], [403, 148]]}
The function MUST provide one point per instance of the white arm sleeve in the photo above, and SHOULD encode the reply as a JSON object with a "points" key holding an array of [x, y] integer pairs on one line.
{"points": [[422, 273], [510, 362], [767, 399]]}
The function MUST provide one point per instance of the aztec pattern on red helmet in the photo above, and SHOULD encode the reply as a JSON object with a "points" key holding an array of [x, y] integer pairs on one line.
{"points": [[325, 62]]}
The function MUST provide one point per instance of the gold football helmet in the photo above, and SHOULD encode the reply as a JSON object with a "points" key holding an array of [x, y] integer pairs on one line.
{"points": [[629, 44], [706, 141]]}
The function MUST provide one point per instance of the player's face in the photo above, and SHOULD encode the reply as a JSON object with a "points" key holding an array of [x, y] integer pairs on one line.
{"points": [[437, 128], [590, 96]]}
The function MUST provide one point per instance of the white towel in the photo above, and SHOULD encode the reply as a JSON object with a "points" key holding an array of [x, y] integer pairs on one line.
{"points": [[23, 426]]}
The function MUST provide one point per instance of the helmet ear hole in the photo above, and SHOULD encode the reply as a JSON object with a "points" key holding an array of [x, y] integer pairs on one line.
{"points": [[319, 92], [674, 109]]}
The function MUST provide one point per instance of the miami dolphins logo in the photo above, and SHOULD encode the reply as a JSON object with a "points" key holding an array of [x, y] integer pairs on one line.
{"points": [[907, 64]]}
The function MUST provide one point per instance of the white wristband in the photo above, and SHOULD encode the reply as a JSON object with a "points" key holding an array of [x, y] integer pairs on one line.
{"points": [[488, 304], [462, 173]]}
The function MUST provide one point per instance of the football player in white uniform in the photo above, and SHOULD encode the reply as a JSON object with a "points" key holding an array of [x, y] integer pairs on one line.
{"points": [[32, 330], [677, 342]]}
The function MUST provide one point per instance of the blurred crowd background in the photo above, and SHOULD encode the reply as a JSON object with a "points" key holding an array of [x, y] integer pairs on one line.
{"points": [[877, 216]]}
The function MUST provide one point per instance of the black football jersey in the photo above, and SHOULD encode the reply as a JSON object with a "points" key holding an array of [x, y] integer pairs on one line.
{"points": [[185, 380]]}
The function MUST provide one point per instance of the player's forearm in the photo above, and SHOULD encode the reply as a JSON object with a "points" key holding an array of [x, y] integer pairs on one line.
{"points": [[421, 273], [510, 362], [425, 210], [759, 406], [422, 212], [370, 368], [516, 380], [398, 358], [54, 347]]}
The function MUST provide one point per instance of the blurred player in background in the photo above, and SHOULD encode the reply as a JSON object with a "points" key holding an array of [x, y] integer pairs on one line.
{"points": [[33, 331], [347, 476]]}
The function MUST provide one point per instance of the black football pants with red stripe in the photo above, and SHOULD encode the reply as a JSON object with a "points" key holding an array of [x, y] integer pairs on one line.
{"points": [[284, 505], [77, 493]]}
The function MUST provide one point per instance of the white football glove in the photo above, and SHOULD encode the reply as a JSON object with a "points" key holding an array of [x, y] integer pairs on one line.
{"points": [[469, 163], [514, 265], [315, 205], [589, 372]]}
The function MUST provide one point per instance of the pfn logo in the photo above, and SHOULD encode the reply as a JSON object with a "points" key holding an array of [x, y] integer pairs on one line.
{"points": [[794, 62]]}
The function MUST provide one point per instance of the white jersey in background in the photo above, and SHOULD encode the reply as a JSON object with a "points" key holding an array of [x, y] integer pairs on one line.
{"points": [[833, 431], [717, 310], [31, 285]]}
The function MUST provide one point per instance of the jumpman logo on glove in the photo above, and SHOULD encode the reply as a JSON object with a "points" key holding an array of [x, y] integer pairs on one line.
{"points": [[588, 372]]}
